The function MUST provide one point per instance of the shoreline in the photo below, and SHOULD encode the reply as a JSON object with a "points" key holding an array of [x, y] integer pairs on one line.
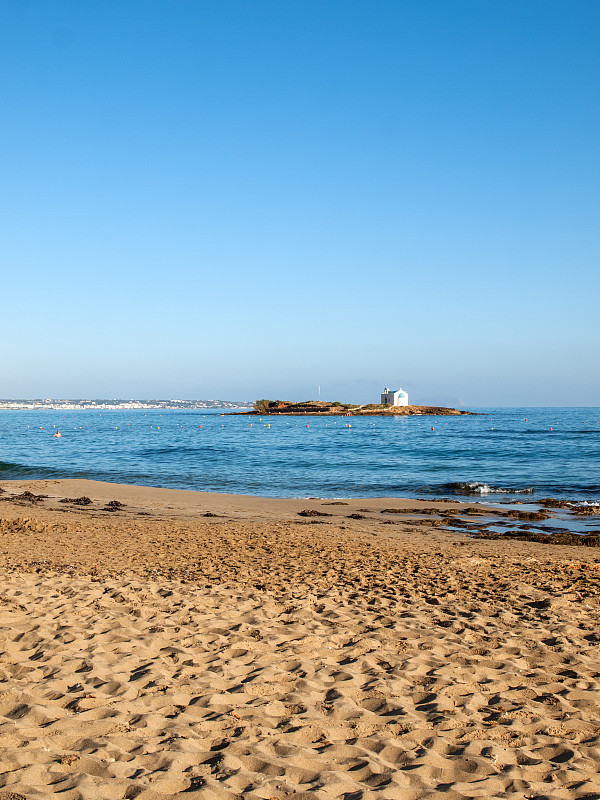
{"points": [[562, 521], [189, 504]]}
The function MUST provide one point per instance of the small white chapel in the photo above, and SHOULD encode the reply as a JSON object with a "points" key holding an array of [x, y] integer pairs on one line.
{"points": [[394, 398]]}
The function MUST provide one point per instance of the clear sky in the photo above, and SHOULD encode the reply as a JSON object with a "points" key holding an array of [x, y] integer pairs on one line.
{"points": [[235, 200]]}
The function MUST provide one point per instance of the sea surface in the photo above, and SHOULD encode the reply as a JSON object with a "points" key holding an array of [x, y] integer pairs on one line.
{"points": [[507, 452]]}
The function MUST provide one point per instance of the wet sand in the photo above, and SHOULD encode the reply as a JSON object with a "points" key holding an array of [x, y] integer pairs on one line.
{"points": [[183, 643]]}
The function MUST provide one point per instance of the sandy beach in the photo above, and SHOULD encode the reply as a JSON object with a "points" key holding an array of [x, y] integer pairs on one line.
{"points": [[158, 643]]}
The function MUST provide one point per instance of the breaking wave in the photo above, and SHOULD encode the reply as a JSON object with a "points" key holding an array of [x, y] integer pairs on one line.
{"points": [[477, 488]]}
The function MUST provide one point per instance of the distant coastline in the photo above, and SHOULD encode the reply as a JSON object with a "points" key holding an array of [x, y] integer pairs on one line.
{"points": [[321, 408], [118, 405]]}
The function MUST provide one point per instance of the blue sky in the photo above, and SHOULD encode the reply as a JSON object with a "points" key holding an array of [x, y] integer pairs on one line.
{"points": [[247, 199]]}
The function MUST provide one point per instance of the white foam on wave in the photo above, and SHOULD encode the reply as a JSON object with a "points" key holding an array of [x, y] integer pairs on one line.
{"points": [[475, 487]]}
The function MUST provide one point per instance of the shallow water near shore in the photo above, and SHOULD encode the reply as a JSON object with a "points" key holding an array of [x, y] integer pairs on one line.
{"points": [[517, 453]]}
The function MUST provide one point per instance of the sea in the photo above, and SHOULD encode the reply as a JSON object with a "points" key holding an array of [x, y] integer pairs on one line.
{"points": [[506, 453]]}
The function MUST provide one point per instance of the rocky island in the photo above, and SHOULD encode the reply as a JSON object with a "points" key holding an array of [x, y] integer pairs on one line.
{"points": [[322, 408]]}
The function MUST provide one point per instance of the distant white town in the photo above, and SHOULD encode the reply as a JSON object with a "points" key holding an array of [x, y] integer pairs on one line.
{"points": [[118, 405]]}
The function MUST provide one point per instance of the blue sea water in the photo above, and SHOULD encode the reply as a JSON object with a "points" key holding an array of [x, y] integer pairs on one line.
{"points": [[534, 452]]}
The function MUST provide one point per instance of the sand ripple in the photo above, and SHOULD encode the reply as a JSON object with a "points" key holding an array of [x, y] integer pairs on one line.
{"points": [[128, 688]]}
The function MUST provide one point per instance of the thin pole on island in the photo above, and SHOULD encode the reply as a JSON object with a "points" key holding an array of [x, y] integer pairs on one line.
{"points": [[319, 388]]}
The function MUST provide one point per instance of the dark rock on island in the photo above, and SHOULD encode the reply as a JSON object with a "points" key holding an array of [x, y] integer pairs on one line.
{"points": [[322, 408]]}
